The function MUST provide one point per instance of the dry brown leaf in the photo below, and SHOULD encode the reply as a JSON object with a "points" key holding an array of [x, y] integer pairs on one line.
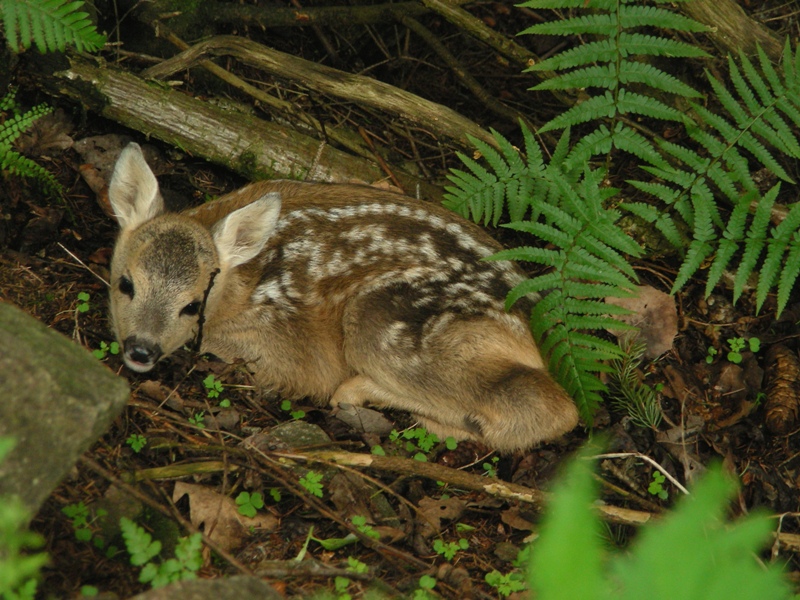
{"points": [[431, 513], [513, 518], [656, 316], [219, 515], [363, 419], [47, 135]]}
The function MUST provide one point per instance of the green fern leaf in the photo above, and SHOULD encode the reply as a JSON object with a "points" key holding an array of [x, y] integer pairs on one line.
{"points": [[601, 51], [601, 76], [733, 235], [638, 43], [596, 24], [756, 238], [636, 72], [637, 15], [631, 141], [789, 274], [781, 238], [597, 107], [50, 24], [598, 142], [639, 104]]}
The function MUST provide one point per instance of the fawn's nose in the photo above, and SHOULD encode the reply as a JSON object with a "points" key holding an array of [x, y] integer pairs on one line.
{"points": [[140, 355]]}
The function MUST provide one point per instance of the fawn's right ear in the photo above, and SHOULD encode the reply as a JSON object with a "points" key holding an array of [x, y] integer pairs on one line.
{"points": [[133, 191]]}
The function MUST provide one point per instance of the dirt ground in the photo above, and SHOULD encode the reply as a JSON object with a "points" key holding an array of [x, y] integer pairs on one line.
{"points": [[52, 250]]}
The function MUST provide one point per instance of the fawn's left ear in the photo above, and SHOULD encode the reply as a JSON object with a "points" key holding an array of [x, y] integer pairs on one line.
{"points": [[241, 235], [133, 191]]}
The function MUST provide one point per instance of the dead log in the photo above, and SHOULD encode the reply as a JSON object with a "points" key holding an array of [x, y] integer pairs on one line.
{"points": [[732, 30], [363, 90], [241, 142]]}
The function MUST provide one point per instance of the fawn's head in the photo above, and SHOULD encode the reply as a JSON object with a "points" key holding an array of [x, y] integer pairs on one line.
{"points": [[168, 270]]}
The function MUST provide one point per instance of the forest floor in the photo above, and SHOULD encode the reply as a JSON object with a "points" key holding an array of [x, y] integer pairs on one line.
{"points": [[55, 250]]}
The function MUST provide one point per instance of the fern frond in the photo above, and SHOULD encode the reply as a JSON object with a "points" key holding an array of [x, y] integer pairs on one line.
{"points": [[650, 45], [756, 239], [790, 272], [601, 51], [636, 72], [639, 104], [734, 234], [637, 15], [50, 24], [594, 76], [595, 24]]}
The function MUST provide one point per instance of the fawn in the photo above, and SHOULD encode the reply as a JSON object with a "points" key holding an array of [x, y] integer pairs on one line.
{"points": [[336, 292]]}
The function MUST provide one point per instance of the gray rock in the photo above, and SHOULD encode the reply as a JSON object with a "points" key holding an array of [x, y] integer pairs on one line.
{"points": [[57, 400], [232, 588]]}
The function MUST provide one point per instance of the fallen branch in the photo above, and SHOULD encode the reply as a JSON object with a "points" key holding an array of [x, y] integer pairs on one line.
{"points": [[241, 142], [365, 91]]}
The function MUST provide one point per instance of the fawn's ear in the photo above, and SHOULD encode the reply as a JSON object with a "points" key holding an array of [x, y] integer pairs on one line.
{"points": [[133, 191], [241, 235]]}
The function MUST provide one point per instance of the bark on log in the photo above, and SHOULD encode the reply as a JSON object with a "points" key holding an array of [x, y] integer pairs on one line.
{"points": [[243, 143], [733, 30]]}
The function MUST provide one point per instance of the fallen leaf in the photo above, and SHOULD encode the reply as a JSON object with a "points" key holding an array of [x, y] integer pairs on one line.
{"points": [[219, 516], [363, 419], [431, 513], [656, 316]]}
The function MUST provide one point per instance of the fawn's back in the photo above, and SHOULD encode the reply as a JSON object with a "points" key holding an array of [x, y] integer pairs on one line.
{"points": [[344, 293]]}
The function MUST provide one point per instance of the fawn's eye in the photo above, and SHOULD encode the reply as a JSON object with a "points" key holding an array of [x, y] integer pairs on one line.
{"points": [[126, 286], [191, 309]]}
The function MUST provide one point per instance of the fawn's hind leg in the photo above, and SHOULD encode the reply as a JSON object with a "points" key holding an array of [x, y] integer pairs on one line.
{"points": [[476, 376]]}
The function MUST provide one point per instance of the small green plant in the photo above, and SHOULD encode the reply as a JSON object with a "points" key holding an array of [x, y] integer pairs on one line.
{"points": [[738, 344], [198, 419], [83, 302], [213, 386], [356, 566], [340, 585], [506, 584], [89, 591], [418, 441], [360, 523], [312, 481], [656, 487], [82, 521], [449, 549], [136, 441], [692, 553], [249, 504], [450, 443], [286, 405], [426, 585], [711, 353], [106, 349], [275, 494], [490, 468], [143, 549], [627, 391], [378, 451], [19, 565]]}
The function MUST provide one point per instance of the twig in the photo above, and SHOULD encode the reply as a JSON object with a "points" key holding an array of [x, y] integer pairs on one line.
{"points": [[337, 134], [83, 264], [490, 102], [645, 458]]}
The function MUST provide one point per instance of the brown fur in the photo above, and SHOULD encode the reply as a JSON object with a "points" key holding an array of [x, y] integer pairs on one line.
{"points": [[336, 292]]}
